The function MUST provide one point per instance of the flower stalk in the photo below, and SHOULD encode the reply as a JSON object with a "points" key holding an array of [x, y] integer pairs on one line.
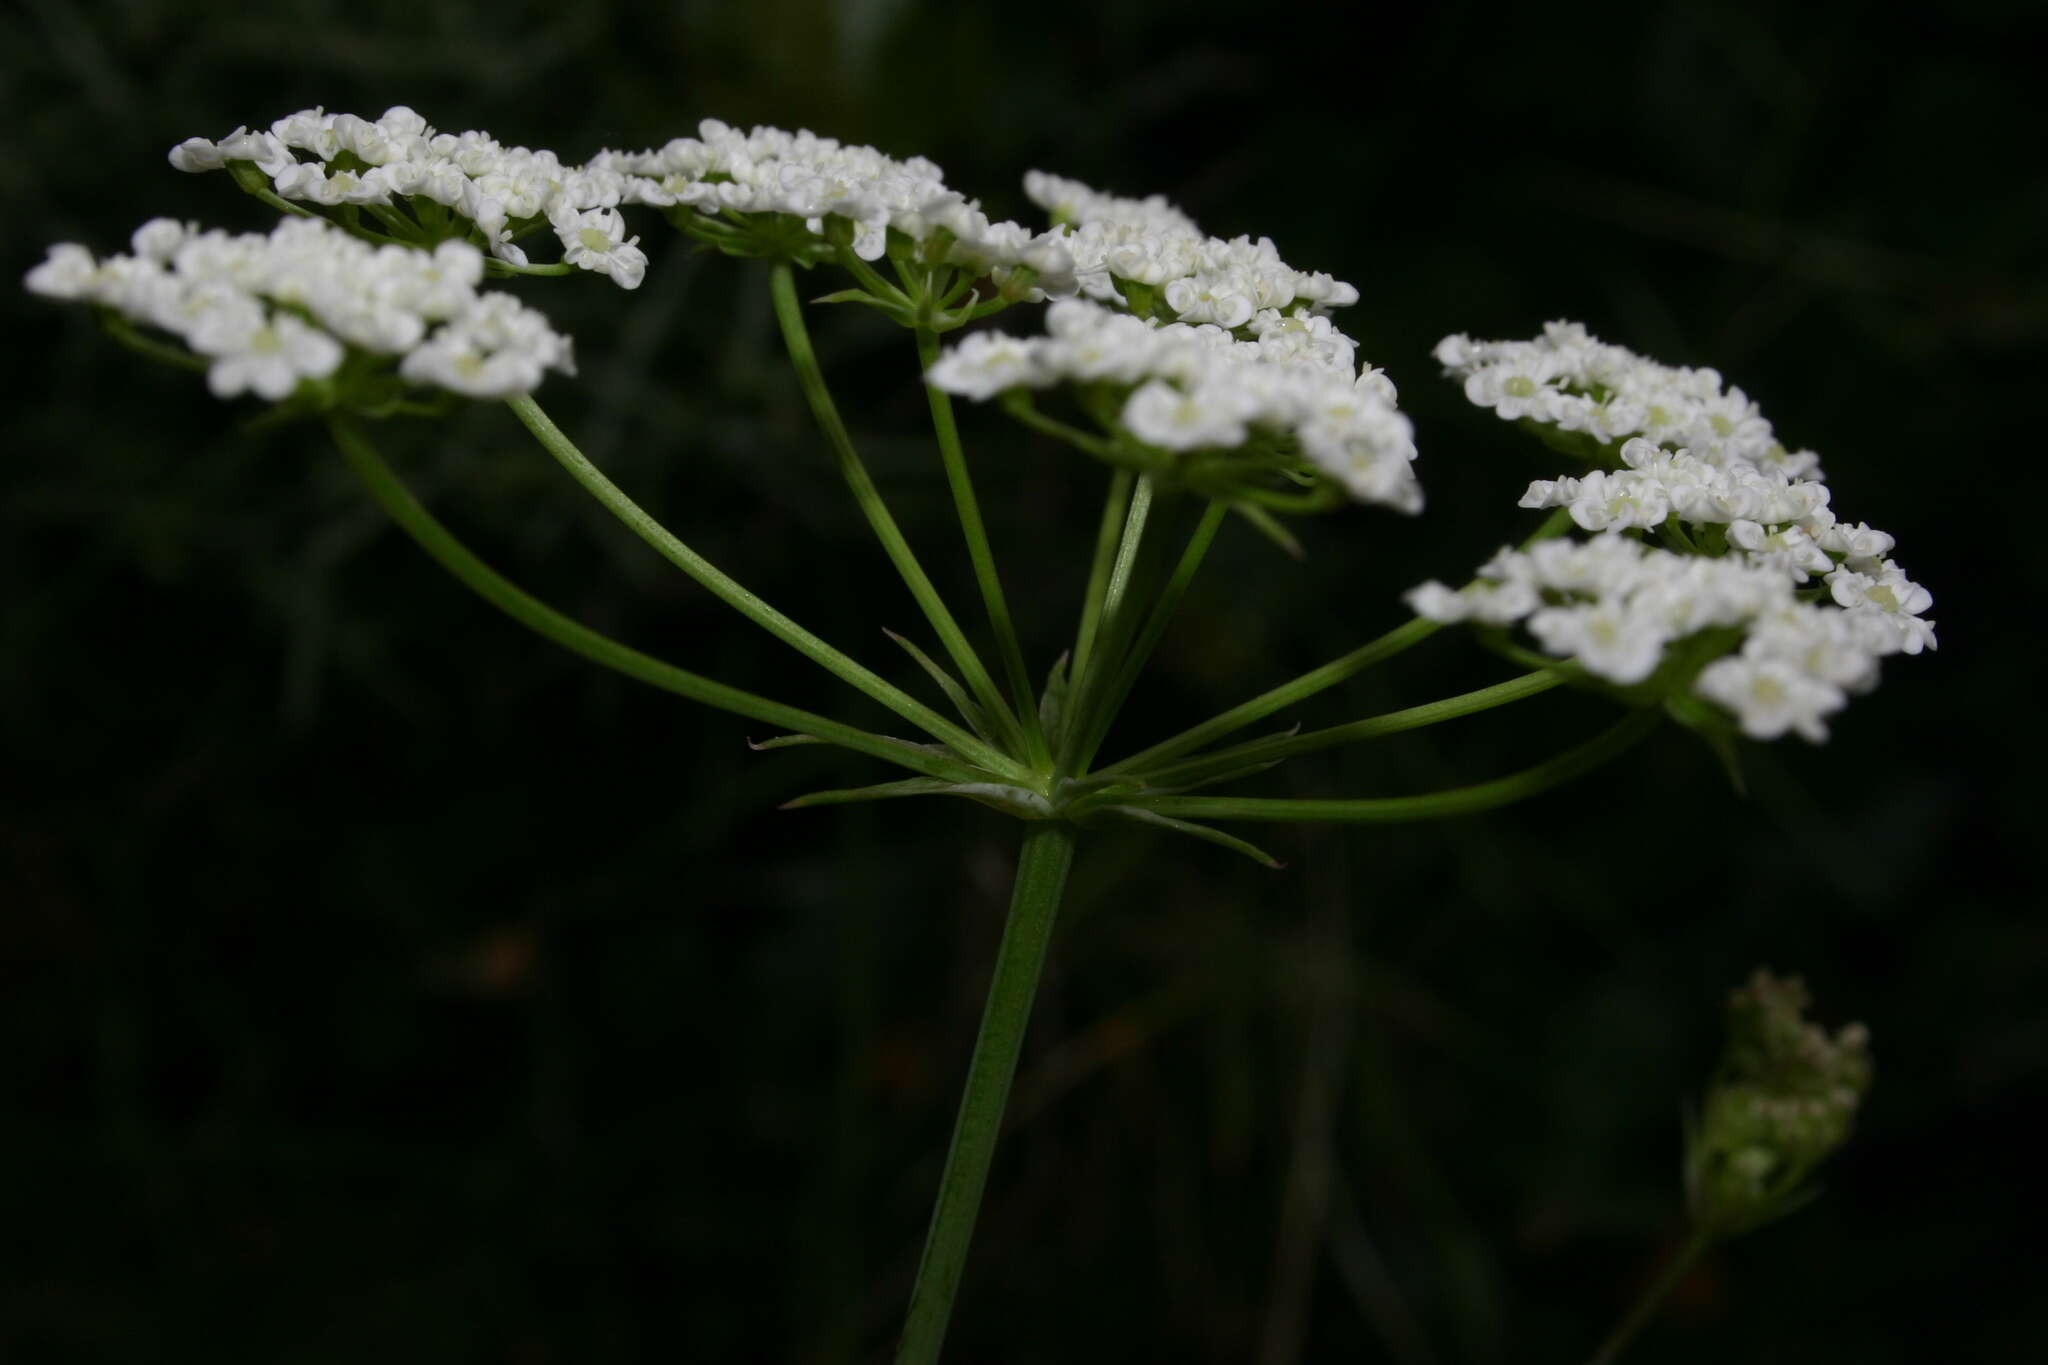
{"points": [[1042, 867]]}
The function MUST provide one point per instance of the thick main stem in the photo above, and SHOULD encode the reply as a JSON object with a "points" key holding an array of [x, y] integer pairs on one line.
{"points": [[1034, 905], [789, 314]]}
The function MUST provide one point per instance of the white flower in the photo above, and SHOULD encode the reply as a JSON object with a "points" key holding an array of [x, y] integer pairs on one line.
{"points": [[1602, 501], [1770, 696], [262, 354], [1608, 639], [983, 365], [596, 240], [197, 154], [159, 238], [1494, 604], [1790, 548], [67, 272], [1162, 415], [1860, 546], [1208, 299], [1888, 591]]}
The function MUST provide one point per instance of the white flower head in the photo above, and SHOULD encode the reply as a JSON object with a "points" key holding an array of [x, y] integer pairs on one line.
{"points": [[1202, 388], [398, 157], [271, 310]]}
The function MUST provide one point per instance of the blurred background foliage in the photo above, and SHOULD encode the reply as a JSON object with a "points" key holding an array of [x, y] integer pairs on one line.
{"points": [[378, 983]]}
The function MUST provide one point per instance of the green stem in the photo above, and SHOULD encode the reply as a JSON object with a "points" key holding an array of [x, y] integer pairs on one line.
{"points": [[414, 519], [979, 550], [746, 603], [1027, 412], [1034, 905], [401, 227], [1398, 809], [1113, 507], [1194, 771], [495, 266], [871, 281], [1611, 1349], [796, 337], [1155, 627], [1287, 694], [1329, 675], [1112, 627], [125, 332]]}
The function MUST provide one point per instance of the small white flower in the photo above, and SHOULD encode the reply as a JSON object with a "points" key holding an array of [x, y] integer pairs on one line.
{"points": [[159, 238], [596, 240], [67, 272], [1208, 300], [1162, 415], [1770, 696], [1609, 640], [1602, 501], [197, 154], [262, 354], [983, 365], [1888, 591]]}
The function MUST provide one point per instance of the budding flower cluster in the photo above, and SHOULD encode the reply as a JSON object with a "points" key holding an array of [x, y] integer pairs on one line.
{"points": [[1188, 389], [1783, 1099], [501, 192], [268, 311], [1743, 523]]}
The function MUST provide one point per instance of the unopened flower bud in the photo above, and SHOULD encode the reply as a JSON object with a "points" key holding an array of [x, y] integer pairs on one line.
{"points": [[1783, 1099]]}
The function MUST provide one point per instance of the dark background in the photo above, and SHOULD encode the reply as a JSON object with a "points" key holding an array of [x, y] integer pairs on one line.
{"points": [[379, 983]]}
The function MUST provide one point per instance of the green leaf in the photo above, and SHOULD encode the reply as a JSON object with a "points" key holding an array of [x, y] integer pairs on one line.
{"points": [[1202, 832], [1000, 796], [1711, 725], [976, 718], [881, 791], [1576, 445], [784, 742], [1269, 526], [1052, 704]]}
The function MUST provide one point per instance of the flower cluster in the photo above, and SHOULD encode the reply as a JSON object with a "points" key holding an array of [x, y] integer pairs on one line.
{"points": [[1148, 255], [1784, 1099], [338, 160], [723, 171], [1571, 380], [1746, 525], [1292, 387], [270, 311]]}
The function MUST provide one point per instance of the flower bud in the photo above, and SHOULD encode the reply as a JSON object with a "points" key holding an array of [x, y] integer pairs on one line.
{"points": [[1783, 1099]]}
